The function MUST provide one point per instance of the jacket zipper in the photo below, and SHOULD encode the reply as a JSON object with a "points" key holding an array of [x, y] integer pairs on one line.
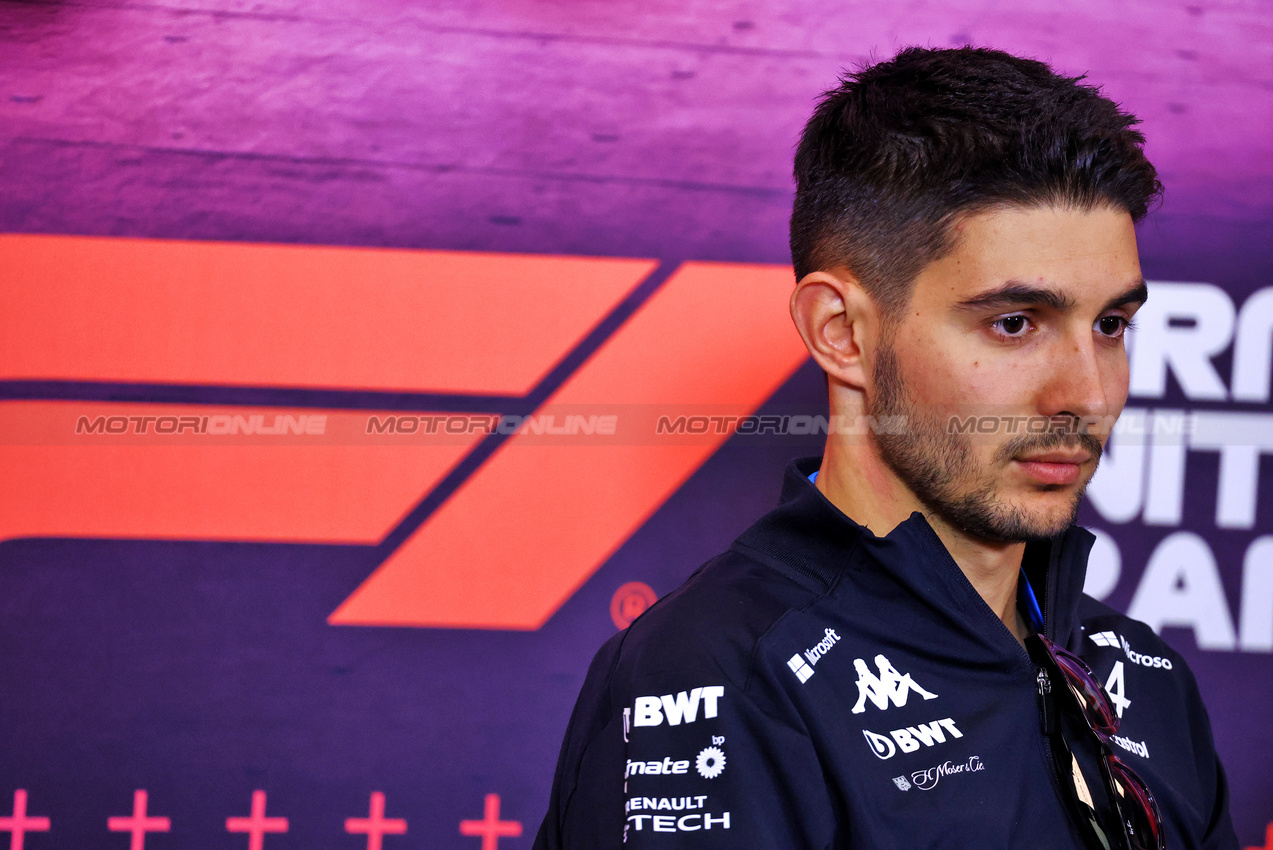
{"points": [[1043, 682], [1047, 725], [1046, 714], [1048, 719]]}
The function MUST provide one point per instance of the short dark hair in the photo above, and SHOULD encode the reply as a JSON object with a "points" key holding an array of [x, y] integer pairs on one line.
{"points": [[895, 155]]}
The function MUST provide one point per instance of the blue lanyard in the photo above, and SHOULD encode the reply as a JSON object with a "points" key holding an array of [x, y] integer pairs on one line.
{"points": [[1032, 611]]}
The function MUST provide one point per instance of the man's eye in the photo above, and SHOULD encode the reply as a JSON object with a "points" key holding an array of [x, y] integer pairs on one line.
{"points": [[1112, 326], [1012, 325]]}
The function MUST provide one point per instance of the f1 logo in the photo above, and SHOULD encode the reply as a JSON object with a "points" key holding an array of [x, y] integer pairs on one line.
{"points": [[480, 530]]}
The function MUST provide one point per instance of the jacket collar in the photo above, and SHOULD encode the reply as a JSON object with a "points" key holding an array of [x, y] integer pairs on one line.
{"points": [[809, 535]]}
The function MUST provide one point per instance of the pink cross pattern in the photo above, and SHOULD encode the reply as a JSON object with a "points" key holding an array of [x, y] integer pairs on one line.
{"points": [[376, 825], [18, 824], [257, 824], [138, 824], [491, 828]]}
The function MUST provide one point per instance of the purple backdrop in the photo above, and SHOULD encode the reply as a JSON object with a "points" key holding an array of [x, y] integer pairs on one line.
{"points": [[203, 671]]}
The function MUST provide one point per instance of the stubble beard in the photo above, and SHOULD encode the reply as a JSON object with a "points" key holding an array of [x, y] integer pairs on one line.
{"points": [[941, 468]]}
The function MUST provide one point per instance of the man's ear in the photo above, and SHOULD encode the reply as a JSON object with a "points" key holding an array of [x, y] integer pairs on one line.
{"points": [[838, 322]]}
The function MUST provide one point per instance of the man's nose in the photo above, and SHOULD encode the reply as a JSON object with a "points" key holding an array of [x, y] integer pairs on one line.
{"points": [[1080, 382]]}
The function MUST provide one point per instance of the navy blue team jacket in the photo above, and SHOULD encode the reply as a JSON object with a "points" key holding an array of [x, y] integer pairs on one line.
{"points": [[817, 686]]}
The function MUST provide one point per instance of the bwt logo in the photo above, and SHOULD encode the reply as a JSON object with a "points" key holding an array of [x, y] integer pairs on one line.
{"points": [[677, 708], [310, 349], [911, 738]]}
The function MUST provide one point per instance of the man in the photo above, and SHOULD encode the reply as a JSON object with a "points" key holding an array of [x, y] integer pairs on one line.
{"points": [[881, 661]]}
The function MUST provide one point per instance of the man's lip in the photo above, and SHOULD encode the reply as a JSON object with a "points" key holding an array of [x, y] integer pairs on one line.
{"points": [[1077, 458]]}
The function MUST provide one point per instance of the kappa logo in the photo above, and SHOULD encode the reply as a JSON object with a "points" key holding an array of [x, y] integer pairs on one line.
{"points": [[677, 708], [334, 326], [803, 666], [888, 686], [911, 738], [1117, 641]]}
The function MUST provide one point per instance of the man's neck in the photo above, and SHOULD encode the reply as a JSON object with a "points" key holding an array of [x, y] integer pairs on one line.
{"points": [[856, 480]]}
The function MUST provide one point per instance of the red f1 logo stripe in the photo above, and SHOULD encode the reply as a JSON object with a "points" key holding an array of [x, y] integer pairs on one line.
{"points": [[536, 521], [511, 542], [335, 488], [132, 310]]}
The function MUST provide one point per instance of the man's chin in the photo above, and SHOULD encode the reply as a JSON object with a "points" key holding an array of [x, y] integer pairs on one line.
{"points": [[1025, 532], [1000, 523]]}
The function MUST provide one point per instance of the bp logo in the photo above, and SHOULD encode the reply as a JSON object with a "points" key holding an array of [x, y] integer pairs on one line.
{"points": [[710, 762]]}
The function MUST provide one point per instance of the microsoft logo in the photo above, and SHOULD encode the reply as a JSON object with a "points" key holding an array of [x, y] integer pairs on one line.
{"points": [[798, 666]]}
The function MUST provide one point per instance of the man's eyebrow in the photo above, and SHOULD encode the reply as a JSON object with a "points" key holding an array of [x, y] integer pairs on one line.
{"points": [[1138, 295], [1014, 293], [1017, 294]]}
